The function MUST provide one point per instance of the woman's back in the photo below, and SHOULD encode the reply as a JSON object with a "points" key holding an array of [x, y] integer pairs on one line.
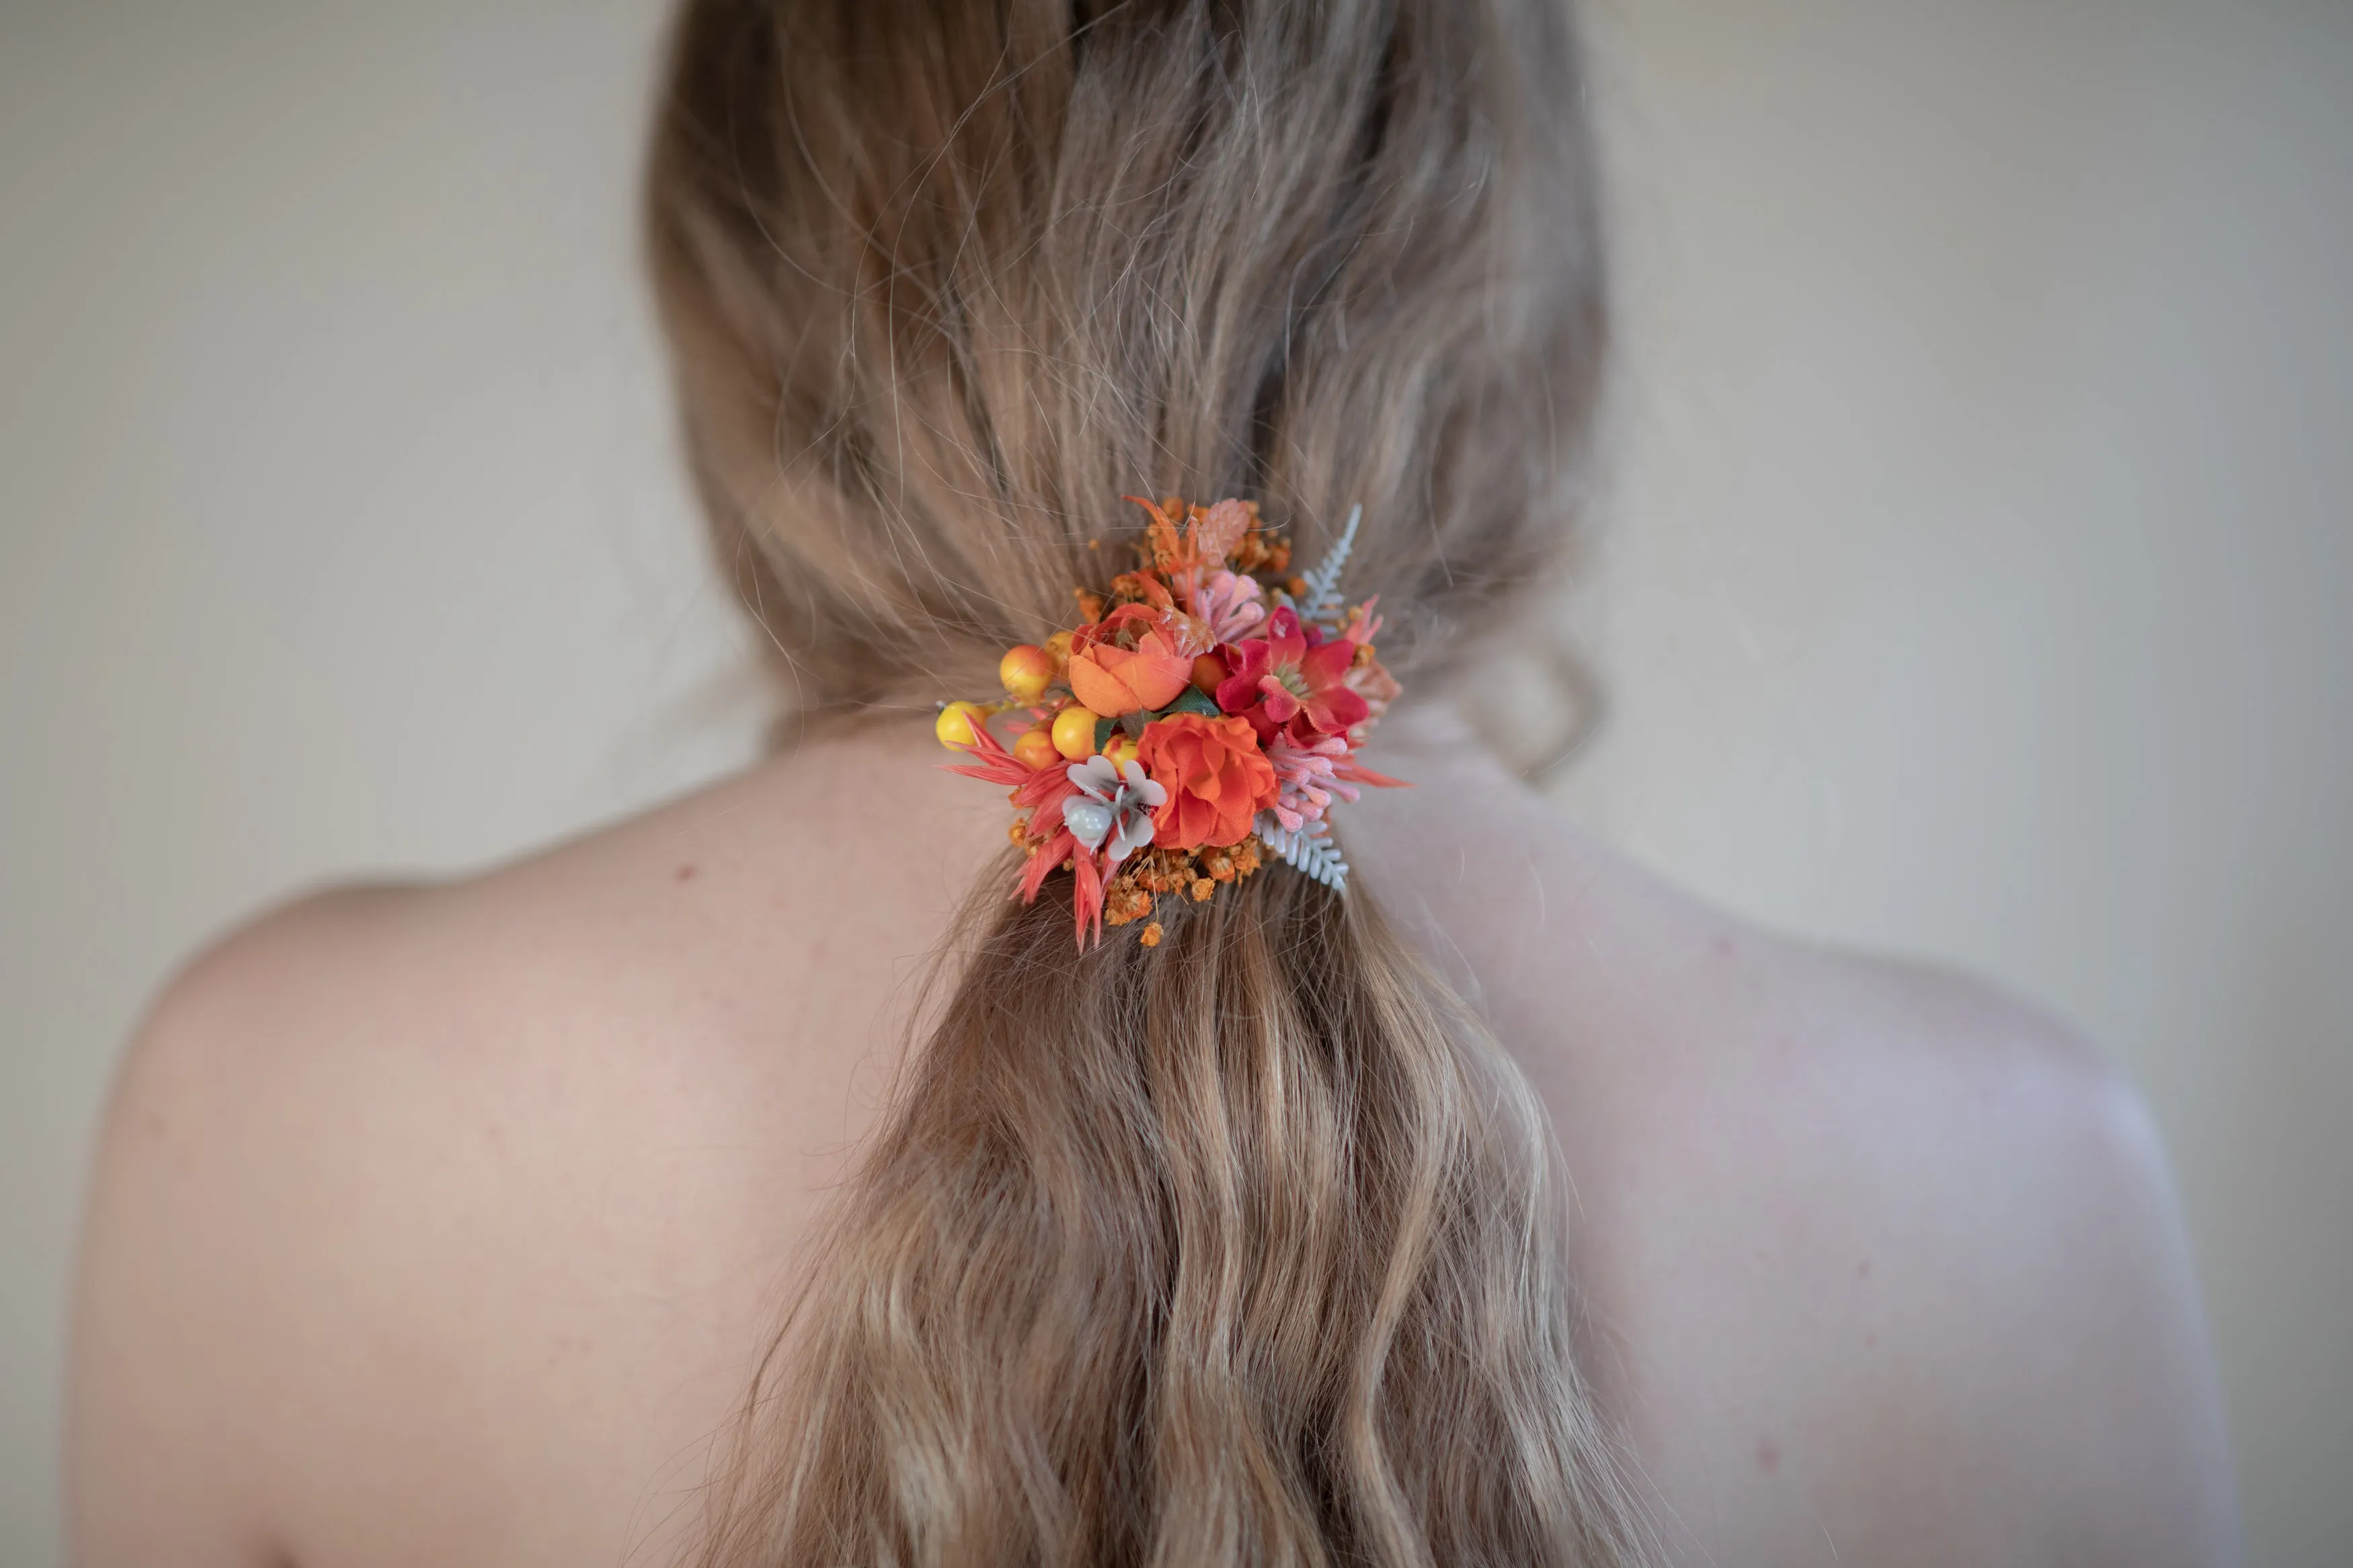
{"points": [[449, 1224]]}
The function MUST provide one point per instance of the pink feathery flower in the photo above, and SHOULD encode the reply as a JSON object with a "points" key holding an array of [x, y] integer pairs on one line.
{"points": [[1306, 778], [1232, 603]]}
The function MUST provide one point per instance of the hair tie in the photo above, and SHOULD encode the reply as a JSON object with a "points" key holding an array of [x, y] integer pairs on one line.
{"points": [[1199, 722]]}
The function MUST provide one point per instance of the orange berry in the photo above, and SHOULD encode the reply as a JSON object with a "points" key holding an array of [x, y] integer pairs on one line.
{"points": [[1074, 734], [1207, 671], [956, 725], [1036, 747], [1026, 670]]}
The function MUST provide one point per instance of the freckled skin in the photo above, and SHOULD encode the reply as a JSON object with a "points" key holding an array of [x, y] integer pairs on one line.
{"points": [[444, 1225]]}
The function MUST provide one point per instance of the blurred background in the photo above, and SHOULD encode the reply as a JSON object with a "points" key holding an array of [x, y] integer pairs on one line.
{"points": [[1977, 522]]}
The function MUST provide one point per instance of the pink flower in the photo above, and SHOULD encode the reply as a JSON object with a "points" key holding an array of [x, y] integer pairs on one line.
{"points": [[1232, 604], [1367, 676], [1305, 778], [1378, 688], [1294, 679]]}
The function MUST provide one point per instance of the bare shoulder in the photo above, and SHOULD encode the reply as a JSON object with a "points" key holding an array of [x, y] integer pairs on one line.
{"points": [[1885, 1261], [483, 1192], [1880, 1264]]}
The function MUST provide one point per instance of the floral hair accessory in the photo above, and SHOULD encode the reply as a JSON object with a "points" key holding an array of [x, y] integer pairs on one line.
{"points": [[1199, 721]]}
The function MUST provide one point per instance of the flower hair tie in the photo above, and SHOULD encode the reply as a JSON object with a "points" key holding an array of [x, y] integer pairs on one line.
{"points": [[1202, 719]]}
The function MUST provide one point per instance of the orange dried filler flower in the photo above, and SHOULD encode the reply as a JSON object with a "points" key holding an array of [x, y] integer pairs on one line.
{"points": [[1124, 900]]}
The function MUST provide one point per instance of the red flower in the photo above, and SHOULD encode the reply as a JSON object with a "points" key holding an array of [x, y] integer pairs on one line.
{"points": [[1217, 778], [1292, 679]]}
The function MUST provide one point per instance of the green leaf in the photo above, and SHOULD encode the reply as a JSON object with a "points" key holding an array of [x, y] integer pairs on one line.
{"points": [[1191, 700], [1103, 729]]}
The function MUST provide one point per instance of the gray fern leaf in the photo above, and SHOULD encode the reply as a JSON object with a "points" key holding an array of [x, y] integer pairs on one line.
{"points": [[1321, 603], [1310, 851]]}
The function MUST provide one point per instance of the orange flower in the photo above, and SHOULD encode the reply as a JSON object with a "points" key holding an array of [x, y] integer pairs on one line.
{"points": [[1127, 662], [1217, 778]]}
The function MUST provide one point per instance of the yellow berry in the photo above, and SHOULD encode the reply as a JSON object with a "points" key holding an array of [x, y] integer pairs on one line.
{"points": [[1026, 670], [1123, 748], [1058, 648], [1074, 734], [1036, 747], [957, 722]]}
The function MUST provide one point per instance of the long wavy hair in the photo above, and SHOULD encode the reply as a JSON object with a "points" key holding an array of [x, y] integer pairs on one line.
{"points": [[1249, 1248]]}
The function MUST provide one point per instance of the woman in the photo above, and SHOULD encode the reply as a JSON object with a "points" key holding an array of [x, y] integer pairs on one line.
{"points": [[644, 1201]]}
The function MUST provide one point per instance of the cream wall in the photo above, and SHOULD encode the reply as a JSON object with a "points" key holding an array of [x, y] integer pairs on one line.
{"points": [[1984, 544], [1979, 525]]}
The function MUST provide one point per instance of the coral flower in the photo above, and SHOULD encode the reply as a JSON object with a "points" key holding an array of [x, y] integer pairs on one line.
{"points": [[1285, 681], [1217, 778], [1127, 662]]}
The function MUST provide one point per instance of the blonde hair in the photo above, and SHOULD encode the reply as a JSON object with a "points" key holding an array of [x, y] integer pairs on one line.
{"points": [[1249, 1247]]}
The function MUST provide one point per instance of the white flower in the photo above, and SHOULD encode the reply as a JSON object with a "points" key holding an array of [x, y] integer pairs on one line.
{"points": [[1115, 802]]}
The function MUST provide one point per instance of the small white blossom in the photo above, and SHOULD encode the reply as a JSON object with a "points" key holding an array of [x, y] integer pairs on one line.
{"points": [[1115, 802]]}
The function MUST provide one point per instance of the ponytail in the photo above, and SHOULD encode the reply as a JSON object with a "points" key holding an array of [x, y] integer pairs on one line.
{"points": [[1246, 1246]]}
